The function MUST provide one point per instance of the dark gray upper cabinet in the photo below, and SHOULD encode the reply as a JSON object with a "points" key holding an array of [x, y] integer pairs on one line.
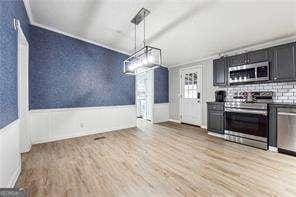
{"points": [[257, 56], [237, 60], [283, 63], [220, 72], [249, 58]]}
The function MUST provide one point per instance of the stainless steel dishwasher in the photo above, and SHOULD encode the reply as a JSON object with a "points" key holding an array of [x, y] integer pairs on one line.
{"points": [[286, 130]]}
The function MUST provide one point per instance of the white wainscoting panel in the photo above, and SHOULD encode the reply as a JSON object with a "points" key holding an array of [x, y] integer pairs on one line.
{"points": [[160, 112], [10, 157], [56, 124]]}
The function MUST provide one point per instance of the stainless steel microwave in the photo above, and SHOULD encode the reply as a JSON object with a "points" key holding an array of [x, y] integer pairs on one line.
{"points": [[248, 73]]}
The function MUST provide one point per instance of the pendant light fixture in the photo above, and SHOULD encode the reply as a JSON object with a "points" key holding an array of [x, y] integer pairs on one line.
{"points": [[146, 57]]}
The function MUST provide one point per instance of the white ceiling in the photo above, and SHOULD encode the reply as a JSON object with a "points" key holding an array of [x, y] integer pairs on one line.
{"points": [[185, 30]]}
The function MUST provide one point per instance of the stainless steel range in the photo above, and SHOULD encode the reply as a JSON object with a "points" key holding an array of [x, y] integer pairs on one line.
{"points": [[247, 119]]}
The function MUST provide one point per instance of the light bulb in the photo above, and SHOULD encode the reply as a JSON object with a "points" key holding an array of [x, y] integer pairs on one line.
{"points": [[144, 62], [133, 66], [150, 59]]}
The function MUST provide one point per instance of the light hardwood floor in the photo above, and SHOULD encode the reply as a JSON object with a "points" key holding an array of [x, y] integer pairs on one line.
{"points": [[166, 159]]}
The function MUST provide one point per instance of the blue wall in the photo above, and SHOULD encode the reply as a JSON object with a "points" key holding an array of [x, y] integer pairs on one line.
{"points": [[66, 72], [8, 58], [161, 85]]}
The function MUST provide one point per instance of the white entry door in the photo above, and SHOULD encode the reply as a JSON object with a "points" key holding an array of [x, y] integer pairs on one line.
{"points": [[191, 90], [23, 91]]}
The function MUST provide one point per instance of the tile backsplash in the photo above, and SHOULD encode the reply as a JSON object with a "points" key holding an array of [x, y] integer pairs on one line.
{"points": [[282, 92]]}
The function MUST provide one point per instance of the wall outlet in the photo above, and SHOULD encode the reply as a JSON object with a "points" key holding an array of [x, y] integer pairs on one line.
{"points": [[81, 125]]}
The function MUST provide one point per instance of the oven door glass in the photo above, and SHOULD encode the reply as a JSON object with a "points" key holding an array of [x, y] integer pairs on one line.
{"points": [[252, 124]]}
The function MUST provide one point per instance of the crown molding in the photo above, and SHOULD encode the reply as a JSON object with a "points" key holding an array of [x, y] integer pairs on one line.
{"points": [[262, 45], [77, 37], [195, 61], [29, 13], [28, 10]]}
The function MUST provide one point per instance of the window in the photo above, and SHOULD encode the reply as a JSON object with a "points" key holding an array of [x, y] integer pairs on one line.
{"points": [[190, 85]]}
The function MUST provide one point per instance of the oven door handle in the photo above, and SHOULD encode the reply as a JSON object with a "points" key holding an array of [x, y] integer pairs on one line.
{"points": [[247, 111]]}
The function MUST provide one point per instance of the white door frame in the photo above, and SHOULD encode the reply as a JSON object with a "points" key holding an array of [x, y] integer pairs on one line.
{"points": [[181, 93], [22, 41]]}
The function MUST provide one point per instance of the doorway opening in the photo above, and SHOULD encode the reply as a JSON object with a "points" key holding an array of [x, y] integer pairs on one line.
{"points": [[145, 95]]}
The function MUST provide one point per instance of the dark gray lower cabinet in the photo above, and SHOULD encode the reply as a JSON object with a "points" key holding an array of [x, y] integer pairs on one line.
{"points": [[215, 118]]}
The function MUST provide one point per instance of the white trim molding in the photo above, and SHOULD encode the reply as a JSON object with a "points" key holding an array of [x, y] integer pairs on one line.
{"points": [[48, 125], [10, 157], [23, 89]]}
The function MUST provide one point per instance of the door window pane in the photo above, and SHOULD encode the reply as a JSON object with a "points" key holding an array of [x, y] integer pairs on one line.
{"points": [[186, 91], [190, 85], [195, 78], [194, 93]]}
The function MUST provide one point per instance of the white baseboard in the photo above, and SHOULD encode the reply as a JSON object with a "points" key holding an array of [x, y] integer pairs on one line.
{"points": [[174, 120], [204, 126], [81, 134], [57, 124], [160, 112], [273, 149], [179, 121], [10, 157], [15, 176]]}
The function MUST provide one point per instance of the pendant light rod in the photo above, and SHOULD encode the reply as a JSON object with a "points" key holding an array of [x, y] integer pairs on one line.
{"points": [[135, 37], [140, 16], [144, 30]]}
